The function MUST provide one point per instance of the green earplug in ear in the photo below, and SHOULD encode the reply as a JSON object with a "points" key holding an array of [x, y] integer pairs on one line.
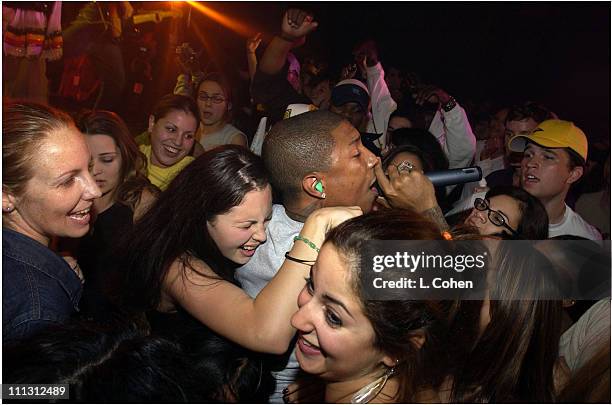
{"points": [[318, 186]]}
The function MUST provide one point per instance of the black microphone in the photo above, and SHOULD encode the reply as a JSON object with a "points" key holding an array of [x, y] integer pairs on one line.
{"points": [[449, 177], [455, 176]]}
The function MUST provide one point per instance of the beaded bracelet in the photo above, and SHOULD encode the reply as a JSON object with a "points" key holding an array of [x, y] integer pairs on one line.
{"points": [[295, 259], [306, 241]]}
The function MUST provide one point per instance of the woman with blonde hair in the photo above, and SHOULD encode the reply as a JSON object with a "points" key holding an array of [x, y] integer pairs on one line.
{"points": [[47, 192]]}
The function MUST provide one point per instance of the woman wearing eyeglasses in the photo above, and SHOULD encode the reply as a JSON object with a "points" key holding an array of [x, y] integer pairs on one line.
{"points": [[509, 212], [214, 102]]}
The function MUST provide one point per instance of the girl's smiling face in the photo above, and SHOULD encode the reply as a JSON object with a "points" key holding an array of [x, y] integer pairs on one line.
{"points": [[239, 232], [335, 338], [172, 137]]}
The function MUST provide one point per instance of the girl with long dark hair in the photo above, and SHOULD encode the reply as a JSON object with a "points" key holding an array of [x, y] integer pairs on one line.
{"points": [[179, 261], [366, 349]]}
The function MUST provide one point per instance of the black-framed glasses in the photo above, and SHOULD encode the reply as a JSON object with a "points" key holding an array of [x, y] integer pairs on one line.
{"points": [[216, 99], [497, 218]]}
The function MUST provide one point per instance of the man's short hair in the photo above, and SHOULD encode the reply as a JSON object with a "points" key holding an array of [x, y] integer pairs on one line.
{"points": [[298, 146], [527, 110]]}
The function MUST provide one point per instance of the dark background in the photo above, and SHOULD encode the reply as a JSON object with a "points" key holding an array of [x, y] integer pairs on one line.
{"points": [[557, 54]]}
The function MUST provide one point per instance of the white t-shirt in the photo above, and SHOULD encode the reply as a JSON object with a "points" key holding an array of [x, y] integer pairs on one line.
{"points": [[221, 137], [573, 224], [256, 274], [582, 340]]}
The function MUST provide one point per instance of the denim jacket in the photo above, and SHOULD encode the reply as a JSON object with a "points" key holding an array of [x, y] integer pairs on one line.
{"points": [[39, 288]]}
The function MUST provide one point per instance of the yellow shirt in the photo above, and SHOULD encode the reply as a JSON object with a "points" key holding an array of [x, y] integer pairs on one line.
{"points": [[162, 176]]}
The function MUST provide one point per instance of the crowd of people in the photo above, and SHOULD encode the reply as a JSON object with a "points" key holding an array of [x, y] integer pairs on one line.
{"points": [[206, 261]]}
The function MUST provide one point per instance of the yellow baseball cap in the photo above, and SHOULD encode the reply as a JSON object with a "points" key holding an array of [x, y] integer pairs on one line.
{"points": [[553, 134]]}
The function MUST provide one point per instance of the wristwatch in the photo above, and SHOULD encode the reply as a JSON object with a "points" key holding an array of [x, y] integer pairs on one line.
{"points": [[450, 104]]}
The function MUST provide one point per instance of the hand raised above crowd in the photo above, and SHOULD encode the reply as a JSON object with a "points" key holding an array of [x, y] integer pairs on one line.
{"points": [[430, 94], [366, 53], [296, 25], [253, 42]]}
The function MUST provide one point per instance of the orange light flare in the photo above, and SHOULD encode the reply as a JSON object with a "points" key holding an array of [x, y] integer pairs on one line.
{"points": [[227, 22]]}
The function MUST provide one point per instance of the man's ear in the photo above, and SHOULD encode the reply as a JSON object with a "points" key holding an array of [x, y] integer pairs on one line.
{"points": [[8, 198], [151, 123], [314, 185], [575, 174]]}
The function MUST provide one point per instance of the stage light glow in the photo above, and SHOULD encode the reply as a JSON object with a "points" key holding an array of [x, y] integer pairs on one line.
{"points": [[226, 21]]}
